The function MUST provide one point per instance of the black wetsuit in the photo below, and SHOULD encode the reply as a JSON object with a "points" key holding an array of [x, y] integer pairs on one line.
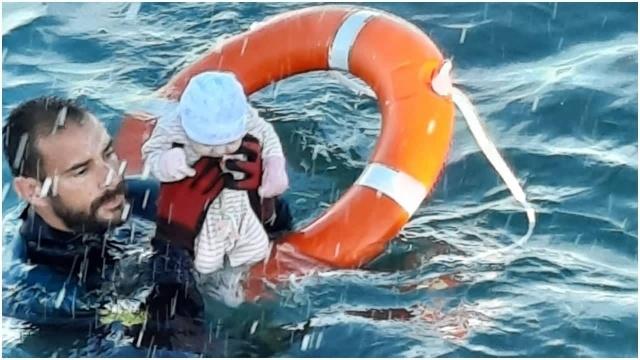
{"points": [[101, 287]]}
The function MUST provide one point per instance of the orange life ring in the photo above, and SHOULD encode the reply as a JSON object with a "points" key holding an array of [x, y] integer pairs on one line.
{"points": [[392, 56]]}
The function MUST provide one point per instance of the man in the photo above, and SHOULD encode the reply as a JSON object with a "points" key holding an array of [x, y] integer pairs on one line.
{"points": [[79, 263]]}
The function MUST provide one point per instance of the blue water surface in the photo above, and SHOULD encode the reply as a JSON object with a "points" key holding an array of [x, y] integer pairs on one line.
{"points": [[556, 85]]}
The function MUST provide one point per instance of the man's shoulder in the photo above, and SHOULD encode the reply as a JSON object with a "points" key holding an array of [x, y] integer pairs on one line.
{"points": [[142, 194], [17, 271], [13, 246]]}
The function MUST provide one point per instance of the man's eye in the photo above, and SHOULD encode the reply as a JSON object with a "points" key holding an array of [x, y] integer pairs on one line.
{"points": [[81, 171]]}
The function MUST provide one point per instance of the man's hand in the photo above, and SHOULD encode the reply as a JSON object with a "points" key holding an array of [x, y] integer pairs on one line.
{"points": [[251, 167], [182, 205]]}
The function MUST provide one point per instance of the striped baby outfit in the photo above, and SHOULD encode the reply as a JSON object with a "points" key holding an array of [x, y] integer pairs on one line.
{"points": [[230, 228]]}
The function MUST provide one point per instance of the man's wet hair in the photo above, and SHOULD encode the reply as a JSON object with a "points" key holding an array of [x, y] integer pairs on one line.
{"points": [[30, 121]]}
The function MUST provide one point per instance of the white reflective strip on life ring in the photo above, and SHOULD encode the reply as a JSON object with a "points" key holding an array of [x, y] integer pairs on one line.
{"points": [[400, 187], [345, 37]]}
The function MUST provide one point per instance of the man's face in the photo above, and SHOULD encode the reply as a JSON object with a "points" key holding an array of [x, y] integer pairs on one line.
{"points": [[88, 189]]}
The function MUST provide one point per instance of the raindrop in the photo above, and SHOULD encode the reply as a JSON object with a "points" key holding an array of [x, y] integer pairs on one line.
{"points": [[125, 211], [5, 191], [123, 168], [132, 11], [104, 265], [534, 106], [431, 127], [60, 120], [151, 346], [244, 46], [145, 199], [46, 186], [110, 176], [555, 11], [174, 302], [463, 35], [305, 343], [578, 238], [319, 340], [170, 213], [22, 145], [254, 326], [560, 43], [73, 303], [54, 188], [144, 327], [60, 296]]}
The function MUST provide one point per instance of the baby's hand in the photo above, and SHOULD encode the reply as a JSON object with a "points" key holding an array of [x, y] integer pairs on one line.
{"points": [[173, 165], [274, 178]]}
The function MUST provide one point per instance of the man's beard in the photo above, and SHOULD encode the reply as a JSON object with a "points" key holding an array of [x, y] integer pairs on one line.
{"points": [[83, 222]]}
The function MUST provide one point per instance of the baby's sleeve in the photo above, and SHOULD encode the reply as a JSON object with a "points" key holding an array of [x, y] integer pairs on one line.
{"points": [[161, 140], [266, 134]]}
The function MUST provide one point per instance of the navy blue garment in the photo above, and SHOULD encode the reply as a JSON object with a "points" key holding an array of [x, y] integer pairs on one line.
{"points": [[63, 282], [66, 280]]}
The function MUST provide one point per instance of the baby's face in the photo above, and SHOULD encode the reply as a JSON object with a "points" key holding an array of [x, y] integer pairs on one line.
{"points": [[216, 150]]}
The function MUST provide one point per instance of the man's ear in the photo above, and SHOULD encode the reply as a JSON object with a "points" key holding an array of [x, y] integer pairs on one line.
{"points": [[29, 190]]}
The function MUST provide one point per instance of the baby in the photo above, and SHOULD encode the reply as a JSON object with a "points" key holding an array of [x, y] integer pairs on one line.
{"points": [[213, 116]]}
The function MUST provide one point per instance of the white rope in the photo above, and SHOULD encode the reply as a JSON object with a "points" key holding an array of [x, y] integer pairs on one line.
{"points": [[491, 153], [441, 84]]}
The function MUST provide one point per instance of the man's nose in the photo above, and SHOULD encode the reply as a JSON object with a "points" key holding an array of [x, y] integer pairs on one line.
{"points": [[111, 175]]}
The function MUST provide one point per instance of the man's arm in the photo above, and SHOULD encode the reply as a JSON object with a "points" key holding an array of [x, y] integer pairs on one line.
{"points": [[41, 297], [170, 266]]}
